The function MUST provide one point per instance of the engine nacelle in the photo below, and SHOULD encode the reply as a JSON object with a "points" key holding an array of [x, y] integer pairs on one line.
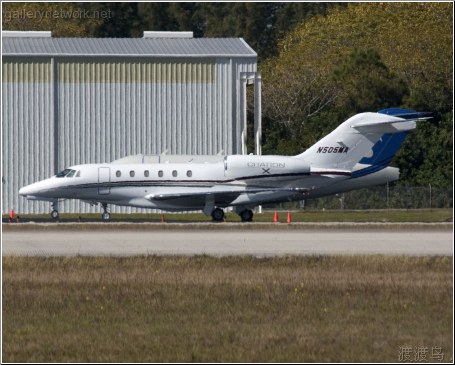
{"points": [[238, 166]]}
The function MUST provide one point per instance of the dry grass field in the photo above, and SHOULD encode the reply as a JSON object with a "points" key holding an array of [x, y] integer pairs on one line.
{"points": [[232, 309]]}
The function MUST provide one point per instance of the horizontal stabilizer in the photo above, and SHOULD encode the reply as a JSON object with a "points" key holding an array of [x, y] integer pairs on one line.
{"points": [[407, 113], [388, 126]]}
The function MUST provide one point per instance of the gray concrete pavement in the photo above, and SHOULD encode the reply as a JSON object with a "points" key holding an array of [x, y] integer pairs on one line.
{"points": [[226, 242]]}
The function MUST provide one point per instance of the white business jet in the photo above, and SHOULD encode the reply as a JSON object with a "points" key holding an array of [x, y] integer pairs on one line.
{"points": [[355, 155]]}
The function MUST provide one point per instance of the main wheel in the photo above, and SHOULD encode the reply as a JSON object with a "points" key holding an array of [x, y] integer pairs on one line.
{"points": [[246, 215], [218, 215], [106, 216]]}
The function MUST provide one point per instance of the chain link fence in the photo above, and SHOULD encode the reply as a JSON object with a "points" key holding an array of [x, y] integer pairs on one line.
{"points": [[381, 197]]}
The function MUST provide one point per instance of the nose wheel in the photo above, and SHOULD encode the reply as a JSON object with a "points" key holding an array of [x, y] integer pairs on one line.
{"points": [[54, 213], [106, 216]]}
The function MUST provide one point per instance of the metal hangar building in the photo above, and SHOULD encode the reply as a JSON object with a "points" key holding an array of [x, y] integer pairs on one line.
{"points": [[68, 101]]}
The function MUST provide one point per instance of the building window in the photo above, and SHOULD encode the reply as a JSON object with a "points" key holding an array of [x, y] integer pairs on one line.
{"points": [[146, 173], [118, 173], [132, 173], [160, 173], [189, 173], [174, 173]]}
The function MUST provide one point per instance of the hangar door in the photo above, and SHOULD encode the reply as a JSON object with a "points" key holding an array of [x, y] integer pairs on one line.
{"points": [[103, 180]]}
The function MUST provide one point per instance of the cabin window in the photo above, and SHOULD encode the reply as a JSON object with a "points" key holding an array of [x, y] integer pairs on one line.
{"points": [[160, 173], [132, 173], [146, 173], [189, 173], [118, 173], [174, 173]]}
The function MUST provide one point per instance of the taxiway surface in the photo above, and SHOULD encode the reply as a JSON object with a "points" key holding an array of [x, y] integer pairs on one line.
{"points": [[226, 242]]}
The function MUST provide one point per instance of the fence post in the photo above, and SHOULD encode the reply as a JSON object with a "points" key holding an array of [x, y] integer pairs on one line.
{"points": [[387, 194]]}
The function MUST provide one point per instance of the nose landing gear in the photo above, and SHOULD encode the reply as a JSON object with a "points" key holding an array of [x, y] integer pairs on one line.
{"points": [[106, 216], [54, 213]]}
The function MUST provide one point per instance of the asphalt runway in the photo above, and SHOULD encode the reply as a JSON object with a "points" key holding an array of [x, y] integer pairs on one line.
{"points": [[226, 242]]}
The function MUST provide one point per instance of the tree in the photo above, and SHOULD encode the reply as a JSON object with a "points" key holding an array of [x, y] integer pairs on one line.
{"points": [[260, 24], [426, 156], [290, 98], [366, 57], [124, 20], [414, 40], [366, 84]]}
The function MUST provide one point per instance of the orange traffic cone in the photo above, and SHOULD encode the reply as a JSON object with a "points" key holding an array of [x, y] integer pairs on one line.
{"points": [[275, 217], [11, 214], [289, 220]]}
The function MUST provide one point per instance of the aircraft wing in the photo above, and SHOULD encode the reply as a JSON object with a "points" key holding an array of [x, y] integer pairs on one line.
{"points": [[225, 195]]}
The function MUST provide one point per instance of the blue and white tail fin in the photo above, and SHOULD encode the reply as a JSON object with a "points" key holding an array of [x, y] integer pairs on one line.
{"points": [[369, 138], [385, 149]]}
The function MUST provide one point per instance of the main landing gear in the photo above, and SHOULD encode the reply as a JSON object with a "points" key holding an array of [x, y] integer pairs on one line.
{"points": [[218, 215], [246, 215]]}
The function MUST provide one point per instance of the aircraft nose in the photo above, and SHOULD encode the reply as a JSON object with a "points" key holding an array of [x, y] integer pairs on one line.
{"points": [[26, 190], [32, 189], [23, 191]]}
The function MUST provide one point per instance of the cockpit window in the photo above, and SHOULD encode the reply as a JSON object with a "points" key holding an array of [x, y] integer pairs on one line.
{"points": [[63, 173], [66, 173]]}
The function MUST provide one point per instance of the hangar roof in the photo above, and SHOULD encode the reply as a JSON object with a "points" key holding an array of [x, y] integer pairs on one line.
{"points": [[130, 47]]}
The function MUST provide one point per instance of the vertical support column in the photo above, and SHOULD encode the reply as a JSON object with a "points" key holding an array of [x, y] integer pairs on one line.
{"points": [[258, 113], [54, 82], [244, 111], [230, 129], [248, 79]]}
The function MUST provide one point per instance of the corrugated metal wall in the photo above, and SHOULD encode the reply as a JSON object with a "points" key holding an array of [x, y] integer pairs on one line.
{"points": [[110, 108], [27, 130]]}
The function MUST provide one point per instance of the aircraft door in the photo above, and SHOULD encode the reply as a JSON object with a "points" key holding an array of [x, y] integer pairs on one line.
{"points": [[104, 177]]}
